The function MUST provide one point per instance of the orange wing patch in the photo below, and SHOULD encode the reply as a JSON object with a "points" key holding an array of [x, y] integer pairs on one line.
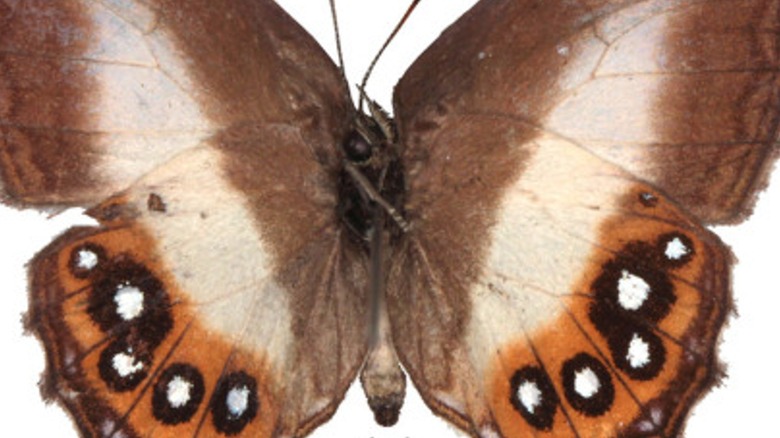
{"points": [[635, 342], [126, 352]]}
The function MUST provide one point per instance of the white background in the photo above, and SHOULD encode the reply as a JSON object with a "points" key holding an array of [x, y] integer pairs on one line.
{"points": [[745, 405]]}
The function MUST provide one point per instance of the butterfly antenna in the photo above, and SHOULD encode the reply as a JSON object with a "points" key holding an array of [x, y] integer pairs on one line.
{"points": [[334, 16], [398, 26]]}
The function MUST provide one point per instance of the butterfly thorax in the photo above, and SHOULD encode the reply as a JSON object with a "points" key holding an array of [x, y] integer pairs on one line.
{"points": [[371, 180]]}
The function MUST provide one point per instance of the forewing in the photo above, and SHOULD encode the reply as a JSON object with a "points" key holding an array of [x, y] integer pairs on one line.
{"points": [[683, 94], [94, 94]]}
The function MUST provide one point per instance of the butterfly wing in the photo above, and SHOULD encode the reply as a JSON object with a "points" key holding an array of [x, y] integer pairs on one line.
{"points": [[216, 294], [681, 94], [560, 158], [96, 94]]}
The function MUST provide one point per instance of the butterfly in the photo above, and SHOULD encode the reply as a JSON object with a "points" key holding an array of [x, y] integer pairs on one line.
{"points": [[155, 205]]}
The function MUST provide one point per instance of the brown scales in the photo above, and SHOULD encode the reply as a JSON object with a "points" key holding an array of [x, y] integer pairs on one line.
{"points": [[282, 115]]}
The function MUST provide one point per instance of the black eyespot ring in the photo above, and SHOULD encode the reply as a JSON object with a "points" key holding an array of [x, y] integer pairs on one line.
{"points": [[542, 415], [184, 383], [123, 367], [578, 373], [235, 403]]}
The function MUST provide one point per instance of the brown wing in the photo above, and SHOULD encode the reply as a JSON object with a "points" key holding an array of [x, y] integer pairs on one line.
{"points": [[555, 201], [95, 94], [217, 294], [682, 94]]}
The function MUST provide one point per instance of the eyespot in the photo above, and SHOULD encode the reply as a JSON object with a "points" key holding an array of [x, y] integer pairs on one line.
{"points": [[648, 199], [126, 296], [675, 249], [632, 285], [86, 259], [123, 367], [235, 403], [634, 348], [588, 385], [177, 394], [533, 395], [637, 351]]}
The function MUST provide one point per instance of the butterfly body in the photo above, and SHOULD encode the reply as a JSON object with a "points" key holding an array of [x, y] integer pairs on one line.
{"points": [[526, 238]]}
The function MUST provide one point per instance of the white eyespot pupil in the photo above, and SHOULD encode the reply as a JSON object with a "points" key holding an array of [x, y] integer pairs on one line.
{"points": [[129, 301], [237, 401], [529, 395], [562, 49], [586, 383], [632, 291], [126, 365], [86, 260], [107, 428], [676, 249], [657, 416], [638, 352], [178, 392], [648, 197]]}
